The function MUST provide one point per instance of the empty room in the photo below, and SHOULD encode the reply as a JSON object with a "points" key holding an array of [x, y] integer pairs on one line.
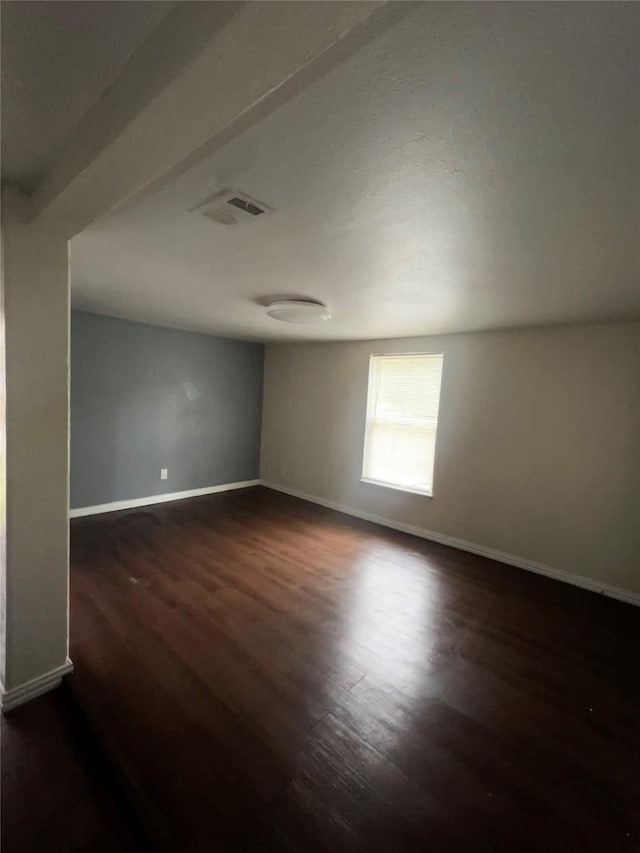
{"points": [[321, 427]]}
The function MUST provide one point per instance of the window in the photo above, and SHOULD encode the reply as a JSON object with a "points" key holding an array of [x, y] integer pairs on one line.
{"points": [[402, 418]]}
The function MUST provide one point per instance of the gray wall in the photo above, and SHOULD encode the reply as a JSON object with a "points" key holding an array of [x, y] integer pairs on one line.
{"points": [[146, 397], [537, 452]]}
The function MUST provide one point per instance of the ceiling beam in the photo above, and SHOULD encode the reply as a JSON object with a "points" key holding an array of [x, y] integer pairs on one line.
{"points": [[249, 59]]}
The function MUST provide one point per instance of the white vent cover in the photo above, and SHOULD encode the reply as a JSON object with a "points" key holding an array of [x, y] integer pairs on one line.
{"points": [[231, 207]]}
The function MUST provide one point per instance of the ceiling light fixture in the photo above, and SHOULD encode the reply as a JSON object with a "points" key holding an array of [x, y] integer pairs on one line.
{"points": [[301, 311]]}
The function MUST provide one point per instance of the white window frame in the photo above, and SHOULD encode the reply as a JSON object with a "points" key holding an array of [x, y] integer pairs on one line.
{"points": [[427, 493]]}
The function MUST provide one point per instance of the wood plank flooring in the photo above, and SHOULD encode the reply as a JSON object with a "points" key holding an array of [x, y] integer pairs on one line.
{"points": [[270, 675], [58, 792]]}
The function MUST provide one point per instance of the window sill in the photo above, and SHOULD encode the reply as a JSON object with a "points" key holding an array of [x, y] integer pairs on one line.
{"points": [[422, 492]]}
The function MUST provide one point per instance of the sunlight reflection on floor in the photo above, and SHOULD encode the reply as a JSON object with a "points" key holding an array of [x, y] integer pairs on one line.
{"points": [[389, 610]]}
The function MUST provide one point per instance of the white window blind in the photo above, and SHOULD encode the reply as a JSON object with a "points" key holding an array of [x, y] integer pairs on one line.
{"points": [[402, 419]]}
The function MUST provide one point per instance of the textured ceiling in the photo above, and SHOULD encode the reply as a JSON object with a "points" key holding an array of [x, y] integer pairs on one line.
{"points": [[61, 57], [475, 167]]}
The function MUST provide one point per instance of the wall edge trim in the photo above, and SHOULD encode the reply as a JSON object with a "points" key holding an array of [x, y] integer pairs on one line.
{"points": [[34, 687], [98, 509], [609, 590]]}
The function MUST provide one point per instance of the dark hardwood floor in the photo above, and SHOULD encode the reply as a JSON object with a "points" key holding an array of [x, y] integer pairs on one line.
{"points": [[59, 794], [270, 675]]}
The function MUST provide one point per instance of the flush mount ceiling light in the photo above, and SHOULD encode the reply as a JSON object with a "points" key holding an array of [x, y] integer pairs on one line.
{"points": [[301, 311]]}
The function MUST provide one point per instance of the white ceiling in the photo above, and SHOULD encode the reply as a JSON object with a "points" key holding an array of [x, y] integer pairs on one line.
{"points": [[79, 47], [475, 167]]}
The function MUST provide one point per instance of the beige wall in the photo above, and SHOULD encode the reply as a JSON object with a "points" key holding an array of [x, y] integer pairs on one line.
{"points": [[538, 453], [36, 319]]}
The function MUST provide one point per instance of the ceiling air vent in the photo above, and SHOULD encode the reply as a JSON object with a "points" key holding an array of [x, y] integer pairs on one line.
{"points": [[231, 207]]}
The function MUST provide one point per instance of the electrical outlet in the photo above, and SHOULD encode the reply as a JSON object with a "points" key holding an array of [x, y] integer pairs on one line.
{"points": [[164, 473]]}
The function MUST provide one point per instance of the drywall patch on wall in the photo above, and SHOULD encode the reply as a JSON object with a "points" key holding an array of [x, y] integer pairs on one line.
{"points": [[144, 398]]}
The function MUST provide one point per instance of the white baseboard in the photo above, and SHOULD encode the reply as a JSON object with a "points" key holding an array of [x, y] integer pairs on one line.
{"points": [[35, 687], [502, 557], [158, 499]]}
